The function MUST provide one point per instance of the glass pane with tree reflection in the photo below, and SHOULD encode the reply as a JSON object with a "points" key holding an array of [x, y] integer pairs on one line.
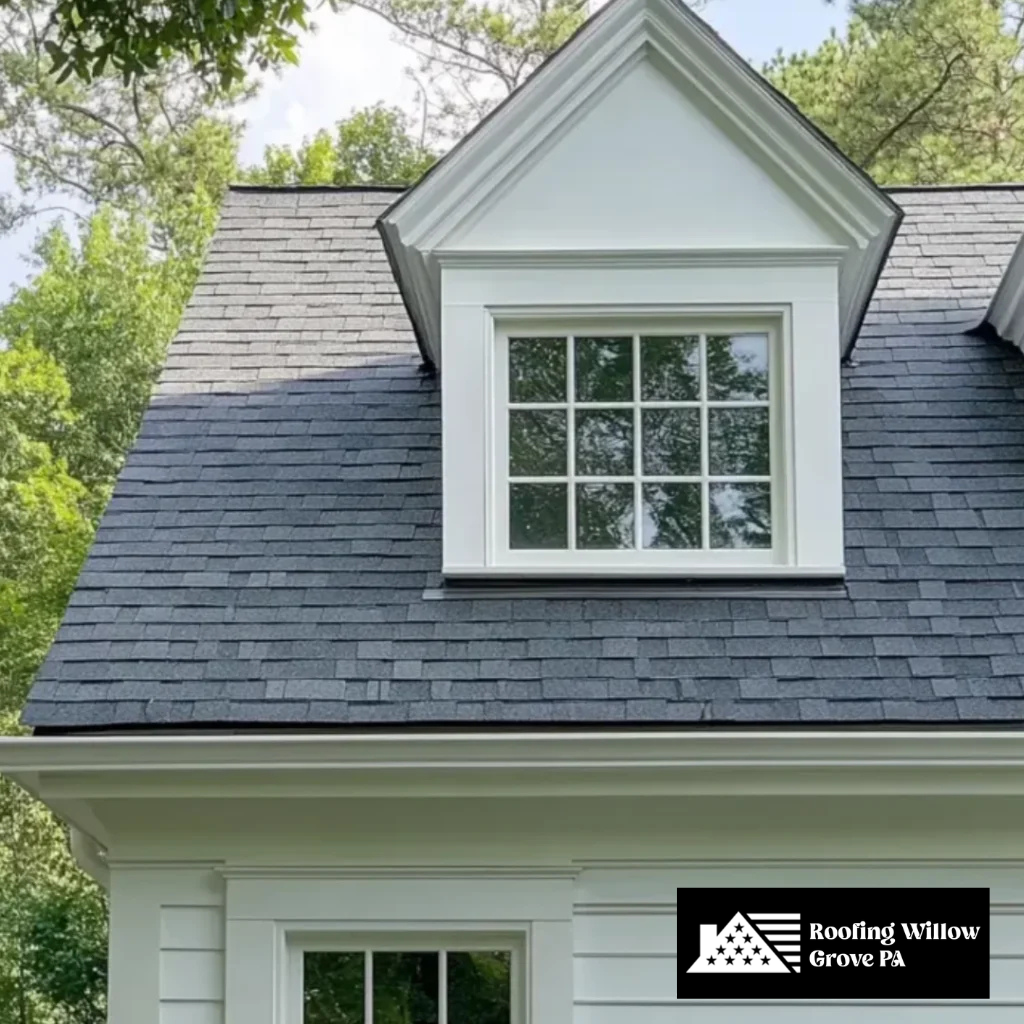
{"points": [[604, 516], [405, 988], [538, 516], [604, 369], [670, 369], [671, 442], [537, 370], [333, 991], [604, 442], [479, 988], [738, 442], [741, 516], [738, 367], [672, 516], [537, 442]]}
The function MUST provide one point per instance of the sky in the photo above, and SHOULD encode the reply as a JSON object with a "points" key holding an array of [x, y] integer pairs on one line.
{"points": [[353, 61]]}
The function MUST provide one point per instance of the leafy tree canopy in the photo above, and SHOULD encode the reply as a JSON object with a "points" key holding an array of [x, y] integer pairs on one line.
{"points": [[372, 146]]}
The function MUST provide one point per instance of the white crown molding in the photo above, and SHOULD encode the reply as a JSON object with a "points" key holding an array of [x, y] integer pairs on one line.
{"points": [[626, 258]]}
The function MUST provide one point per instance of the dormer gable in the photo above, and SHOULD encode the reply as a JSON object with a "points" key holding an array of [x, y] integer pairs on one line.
{"points": [[638, 276]]}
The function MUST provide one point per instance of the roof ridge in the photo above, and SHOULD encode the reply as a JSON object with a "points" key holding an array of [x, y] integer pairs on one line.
{"points": [[243, 187]]}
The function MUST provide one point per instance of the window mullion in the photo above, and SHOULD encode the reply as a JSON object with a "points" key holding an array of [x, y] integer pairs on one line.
{"points": [[442, 987], [570, 498], [638, 541], [368, 988], [705, 458]]}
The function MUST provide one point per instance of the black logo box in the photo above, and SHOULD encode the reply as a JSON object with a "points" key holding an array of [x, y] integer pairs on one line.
{"points": [[936, 967]]}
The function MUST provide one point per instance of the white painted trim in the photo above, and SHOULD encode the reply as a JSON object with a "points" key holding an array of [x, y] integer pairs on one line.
{"points": [[563, 763], [737, 256], [90, 856], [1006, 311]]}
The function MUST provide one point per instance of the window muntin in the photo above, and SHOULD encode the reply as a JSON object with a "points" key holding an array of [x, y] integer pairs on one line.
{"points": [[645, 441], [407, 987]]}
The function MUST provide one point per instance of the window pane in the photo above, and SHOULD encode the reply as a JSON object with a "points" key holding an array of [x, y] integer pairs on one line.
{"points": [[672, 516], [479, 988], [604, 516], [538, 516], [738, 367], [537, 442], [604, 442], [671, 442], [604, 369], [405, 988], [332, 988], [738, 442], [670, 369], [741, 515], [537, 370]]}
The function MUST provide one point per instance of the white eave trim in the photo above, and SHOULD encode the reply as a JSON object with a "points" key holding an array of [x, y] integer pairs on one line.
{"points": [[557, 763], [1006, 311]]}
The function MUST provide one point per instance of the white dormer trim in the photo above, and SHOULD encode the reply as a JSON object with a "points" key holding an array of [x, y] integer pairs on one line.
{"points": [[841, 198], [1006, 312]]}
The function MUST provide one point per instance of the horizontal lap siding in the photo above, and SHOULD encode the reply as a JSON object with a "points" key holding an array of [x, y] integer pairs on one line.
{"points": [[191, 964], [625, 944]]}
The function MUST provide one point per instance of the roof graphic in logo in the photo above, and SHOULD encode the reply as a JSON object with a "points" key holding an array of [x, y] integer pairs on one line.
{"points": [[750, 944]]}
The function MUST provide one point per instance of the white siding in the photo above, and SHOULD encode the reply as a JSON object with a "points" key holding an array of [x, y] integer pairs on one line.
{"points": [[624, 944], [192, 954]]}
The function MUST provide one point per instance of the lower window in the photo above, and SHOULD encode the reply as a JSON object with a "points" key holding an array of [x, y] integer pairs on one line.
{"points": [[447, 986]]}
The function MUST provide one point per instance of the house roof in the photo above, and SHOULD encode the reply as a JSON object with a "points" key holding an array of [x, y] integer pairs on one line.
{"points": [[271, 552]]}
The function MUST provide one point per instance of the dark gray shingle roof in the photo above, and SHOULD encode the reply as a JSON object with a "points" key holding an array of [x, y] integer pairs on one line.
{"points": [[266, 553]]}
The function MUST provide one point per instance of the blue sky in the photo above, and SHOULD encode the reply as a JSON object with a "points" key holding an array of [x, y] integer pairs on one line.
{"points": [[353, 61]]}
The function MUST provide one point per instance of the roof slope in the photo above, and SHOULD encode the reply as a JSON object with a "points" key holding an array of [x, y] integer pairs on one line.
{"points": [[265, 555]]}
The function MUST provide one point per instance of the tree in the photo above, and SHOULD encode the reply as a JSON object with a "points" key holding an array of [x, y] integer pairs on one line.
{"points": [[137, 37], [919, 91], [372, 146]]}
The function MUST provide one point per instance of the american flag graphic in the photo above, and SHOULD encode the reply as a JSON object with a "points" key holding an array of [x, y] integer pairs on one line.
{"points": [[750, 944]]}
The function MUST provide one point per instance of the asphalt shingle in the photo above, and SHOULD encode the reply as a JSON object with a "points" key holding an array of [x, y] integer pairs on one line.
{"points": [[273, 545]]}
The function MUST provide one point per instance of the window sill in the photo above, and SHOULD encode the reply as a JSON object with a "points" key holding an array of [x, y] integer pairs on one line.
{"points": [[622, 585]]}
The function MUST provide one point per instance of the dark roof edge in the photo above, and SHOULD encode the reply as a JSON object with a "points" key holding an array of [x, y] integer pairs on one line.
{"points": [[241, 187], [981, 186], [598, 725]]}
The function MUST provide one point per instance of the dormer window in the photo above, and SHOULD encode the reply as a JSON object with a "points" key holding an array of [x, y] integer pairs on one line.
{"points": [[640, 444], [640, 358]]}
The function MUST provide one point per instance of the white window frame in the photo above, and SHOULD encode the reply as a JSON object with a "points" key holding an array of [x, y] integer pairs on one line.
{"points": [[732, 562], [406, 940]]}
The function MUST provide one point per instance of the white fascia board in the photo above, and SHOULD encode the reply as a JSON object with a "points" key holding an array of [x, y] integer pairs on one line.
{"points": [[780, 761], [1006, 312], [801, 158]]}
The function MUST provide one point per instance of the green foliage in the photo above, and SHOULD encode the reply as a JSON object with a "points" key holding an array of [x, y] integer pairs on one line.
{"points": [[104, 311], [136, 38], [918, 91], [372, 146]]}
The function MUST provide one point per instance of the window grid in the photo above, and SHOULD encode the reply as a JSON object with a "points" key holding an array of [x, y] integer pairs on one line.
{"points": [[703, 403]]}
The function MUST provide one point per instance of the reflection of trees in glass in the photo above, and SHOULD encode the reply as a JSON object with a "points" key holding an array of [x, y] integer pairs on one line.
{"points": [[604, 369], [604, 516], [737, 367], [672, 516], [670, 369], [537, 370], [538, 516], [671, 442], [479, 988], [537, 442], [405, 988], [741, 515], [604, 442], [333, 988], [739, 442]]}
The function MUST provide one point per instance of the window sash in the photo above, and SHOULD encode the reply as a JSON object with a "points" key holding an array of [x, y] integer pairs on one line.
{"points": [[638, 556]]}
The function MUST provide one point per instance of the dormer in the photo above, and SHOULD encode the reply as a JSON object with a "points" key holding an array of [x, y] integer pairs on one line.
{"points": [[637, 278]]}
